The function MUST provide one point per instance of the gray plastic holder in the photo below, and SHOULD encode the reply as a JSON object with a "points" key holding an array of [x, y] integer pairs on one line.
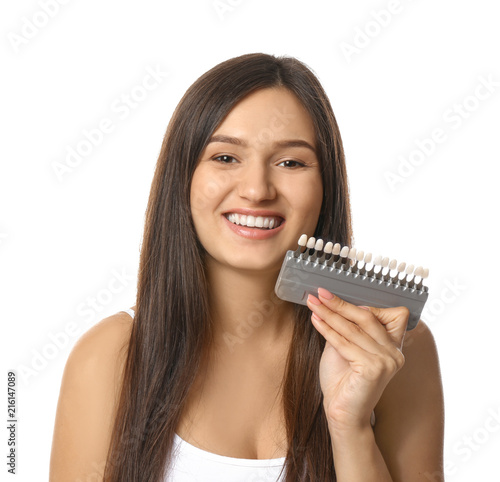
{"points": [[299, 277]]}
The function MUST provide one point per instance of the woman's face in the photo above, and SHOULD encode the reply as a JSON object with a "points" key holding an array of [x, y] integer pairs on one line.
{"points": [[257, 186]]}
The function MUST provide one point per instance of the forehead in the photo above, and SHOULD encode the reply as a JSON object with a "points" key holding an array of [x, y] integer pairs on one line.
{"points": [[269, 114]]}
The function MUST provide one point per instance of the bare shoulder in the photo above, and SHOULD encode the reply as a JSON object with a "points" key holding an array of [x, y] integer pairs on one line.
{"points": [[105, 338], [410, 413], [87, 400], [100, 352]]}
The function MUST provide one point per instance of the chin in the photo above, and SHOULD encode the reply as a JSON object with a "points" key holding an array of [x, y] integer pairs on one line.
{"points": [[255, 266]]}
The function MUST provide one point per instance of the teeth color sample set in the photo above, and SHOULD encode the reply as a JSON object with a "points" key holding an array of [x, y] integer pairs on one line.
{"points": [[353, 276]]}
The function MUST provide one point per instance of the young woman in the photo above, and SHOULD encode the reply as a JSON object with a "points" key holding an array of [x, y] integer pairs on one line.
{"points": [[210, 376]]}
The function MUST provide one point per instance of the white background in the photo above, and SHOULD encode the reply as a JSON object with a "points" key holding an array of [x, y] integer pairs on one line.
{"points": [[65, 240]]}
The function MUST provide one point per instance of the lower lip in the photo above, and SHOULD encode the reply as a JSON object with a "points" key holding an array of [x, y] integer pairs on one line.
{"points": [[253, 233]]}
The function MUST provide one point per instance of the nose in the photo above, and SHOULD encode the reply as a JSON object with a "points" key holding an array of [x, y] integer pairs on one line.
{"points": [[255, 183]]}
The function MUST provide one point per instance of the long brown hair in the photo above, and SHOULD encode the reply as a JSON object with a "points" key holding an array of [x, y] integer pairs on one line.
{"points": [[171, 332]]}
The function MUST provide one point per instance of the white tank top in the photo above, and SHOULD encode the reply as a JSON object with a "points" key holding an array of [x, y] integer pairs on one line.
{"points": [[192, 464]]}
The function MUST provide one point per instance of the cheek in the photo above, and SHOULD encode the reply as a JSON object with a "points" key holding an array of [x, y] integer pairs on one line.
{"points": [[197, 198], [308, 196], [208, 187], [308, 201]]}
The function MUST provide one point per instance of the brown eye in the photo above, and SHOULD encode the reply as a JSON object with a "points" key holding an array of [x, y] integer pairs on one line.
{"points": [[225, 159], [291, 163]]}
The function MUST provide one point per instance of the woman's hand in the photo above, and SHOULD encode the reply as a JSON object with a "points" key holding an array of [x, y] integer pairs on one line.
{"points": [[362, 353]]}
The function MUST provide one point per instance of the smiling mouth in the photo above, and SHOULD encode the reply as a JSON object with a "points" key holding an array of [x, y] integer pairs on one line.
{"points": [[260, 222]]}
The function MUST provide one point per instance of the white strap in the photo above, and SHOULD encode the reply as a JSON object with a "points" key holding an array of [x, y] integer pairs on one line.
{"points": [[130, 312]]}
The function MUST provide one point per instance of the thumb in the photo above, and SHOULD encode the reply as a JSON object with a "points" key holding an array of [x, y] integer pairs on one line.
{"points": [[395, 321]]}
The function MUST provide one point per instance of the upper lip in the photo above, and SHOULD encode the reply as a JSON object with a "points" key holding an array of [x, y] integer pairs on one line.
{"points": [[252, 212]]}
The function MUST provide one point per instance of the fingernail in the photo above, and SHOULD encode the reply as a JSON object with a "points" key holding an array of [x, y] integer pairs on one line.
{"points": [[312, 299], [317, 318], [364, 307], [325, 294]]}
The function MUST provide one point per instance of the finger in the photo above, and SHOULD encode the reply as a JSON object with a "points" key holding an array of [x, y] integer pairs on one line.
{"points": [[347, 350], [387, 360], [354, 334], [395, 321], [349, 330], [365, 319]]}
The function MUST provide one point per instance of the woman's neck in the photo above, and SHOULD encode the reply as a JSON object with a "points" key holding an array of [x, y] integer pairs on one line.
{"points": [[247, 315]]}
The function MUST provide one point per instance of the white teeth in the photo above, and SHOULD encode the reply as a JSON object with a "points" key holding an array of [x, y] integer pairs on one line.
{"points": [[303, 240], [262, 222]]}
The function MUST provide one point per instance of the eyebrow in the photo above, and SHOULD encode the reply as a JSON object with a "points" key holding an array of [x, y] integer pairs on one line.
{"points": [[284, 143]]}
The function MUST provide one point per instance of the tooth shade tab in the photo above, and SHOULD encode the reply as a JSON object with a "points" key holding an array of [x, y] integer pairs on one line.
{"points": [[319, 245], [328, 247], [352, 277], [351, 260]]}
